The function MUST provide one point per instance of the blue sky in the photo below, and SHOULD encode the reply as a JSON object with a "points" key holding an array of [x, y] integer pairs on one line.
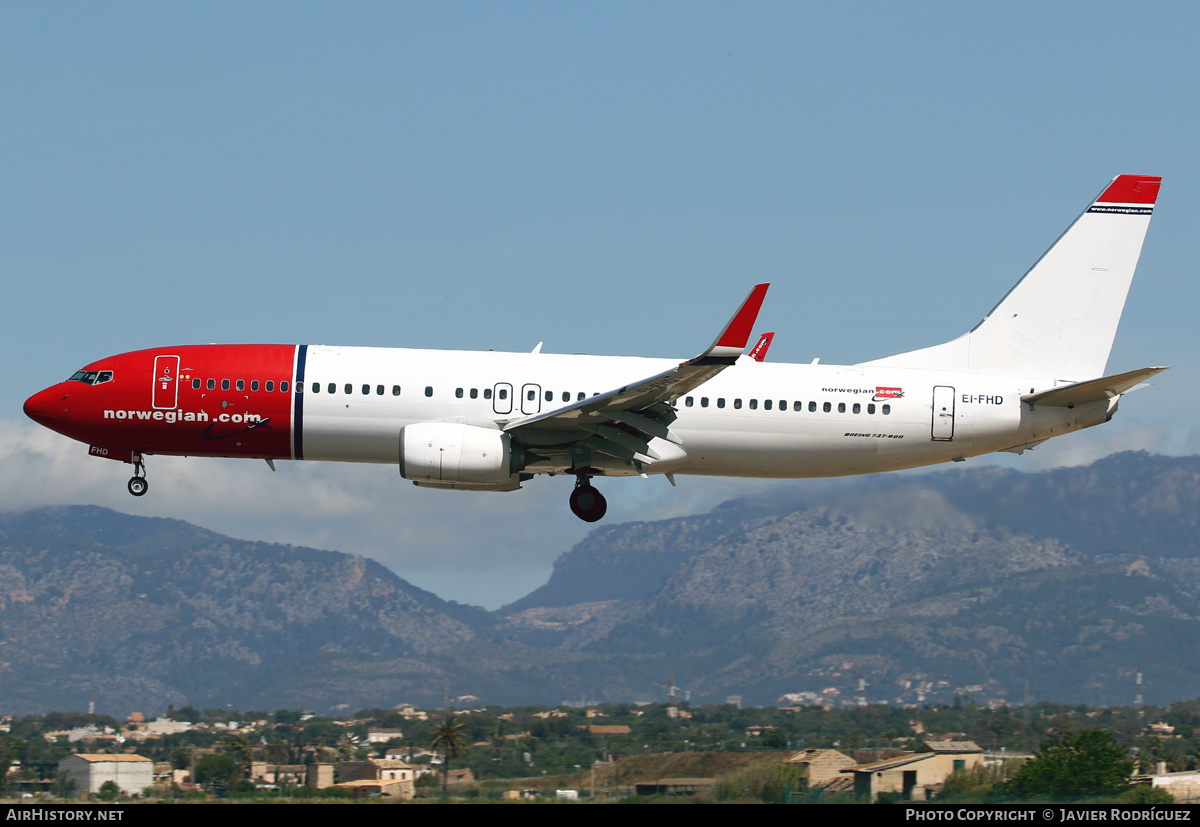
{"points": [[604, 177]]}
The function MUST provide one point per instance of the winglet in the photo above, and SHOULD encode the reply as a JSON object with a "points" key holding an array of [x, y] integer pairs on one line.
{"points": [[733, 338], [759, 352]]}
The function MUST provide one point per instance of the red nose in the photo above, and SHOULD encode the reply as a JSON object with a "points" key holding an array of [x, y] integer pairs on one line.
{"points": [[46, 406]]}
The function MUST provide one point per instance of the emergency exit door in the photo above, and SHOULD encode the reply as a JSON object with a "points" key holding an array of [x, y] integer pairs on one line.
{"points": [[166, 382]]}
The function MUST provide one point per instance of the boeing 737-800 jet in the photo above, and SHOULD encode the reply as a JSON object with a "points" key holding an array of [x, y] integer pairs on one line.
{"points": [[1031, 370]]}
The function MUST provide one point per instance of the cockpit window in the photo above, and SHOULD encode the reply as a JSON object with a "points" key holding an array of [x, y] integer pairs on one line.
{"points": [[91, 377]]}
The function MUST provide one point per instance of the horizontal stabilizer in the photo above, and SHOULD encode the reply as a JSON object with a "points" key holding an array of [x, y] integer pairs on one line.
{"points": [[1094, 390]]}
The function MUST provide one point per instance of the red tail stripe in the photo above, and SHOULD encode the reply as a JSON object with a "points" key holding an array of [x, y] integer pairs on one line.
{"points": [[1132, 189]]}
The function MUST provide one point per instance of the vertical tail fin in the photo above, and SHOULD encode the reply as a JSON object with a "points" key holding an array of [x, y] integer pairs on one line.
{"points": [[1060, 319]]}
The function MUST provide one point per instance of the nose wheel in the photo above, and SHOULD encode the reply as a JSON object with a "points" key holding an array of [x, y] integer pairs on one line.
{"points": [[587, 503], [137, 483]]}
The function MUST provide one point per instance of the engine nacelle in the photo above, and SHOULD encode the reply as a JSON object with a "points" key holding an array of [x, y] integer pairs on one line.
{"points": [[450, 452]]}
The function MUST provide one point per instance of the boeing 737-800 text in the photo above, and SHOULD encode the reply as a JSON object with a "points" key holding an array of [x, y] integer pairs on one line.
{"points": [[1031, 370]]}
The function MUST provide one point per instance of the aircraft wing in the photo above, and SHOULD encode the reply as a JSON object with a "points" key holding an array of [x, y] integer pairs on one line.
{"points": [[621, 422], [1093, 390]]}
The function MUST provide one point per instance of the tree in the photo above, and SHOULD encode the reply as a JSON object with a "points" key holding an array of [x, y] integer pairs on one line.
{"points": [[1090, 764], [64, 785], [240, 748], [448, 741], [217, 769]]}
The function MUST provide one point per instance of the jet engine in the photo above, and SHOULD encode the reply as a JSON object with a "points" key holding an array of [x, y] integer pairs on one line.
{"points": [[450, 452]]}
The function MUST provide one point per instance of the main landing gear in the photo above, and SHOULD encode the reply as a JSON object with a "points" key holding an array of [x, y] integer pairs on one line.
{"points": [[587, 503], [137, 483]]}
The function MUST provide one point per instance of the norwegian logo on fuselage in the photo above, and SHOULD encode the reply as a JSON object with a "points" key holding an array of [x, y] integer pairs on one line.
{"points": [[887, 393]]}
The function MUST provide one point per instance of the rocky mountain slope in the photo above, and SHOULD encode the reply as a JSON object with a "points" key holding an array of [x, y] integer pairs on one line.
{"points": [[997, 584], [158, 611]]}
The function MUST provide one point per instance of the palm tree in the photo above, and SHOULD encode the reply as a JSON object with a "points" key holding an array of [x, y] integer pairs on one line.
{"points": [[448, 741]]}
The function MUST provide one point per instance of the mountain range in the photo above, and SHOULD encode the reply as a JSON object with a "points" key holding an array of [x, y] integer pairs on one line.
{"points": [[984, 582]]}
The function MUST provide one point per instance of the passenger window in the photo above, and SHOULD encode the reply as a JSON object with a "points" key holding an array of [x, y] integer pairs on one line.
{"points": [[349, 388], [283, 387], [566, 396], [766, 404], [270, 386], [332, 388], [754, 404], [812, 407], [841, 407], [241, 384], [531, 395], [366, 390], [720, 402], [503, 394], [887, 409], [395, 390], [827, 407], [688, 401], [316, 387], [487, 393], [212, 383], [581, 396], [458, 393], [224, 384], [299, 387], [429, 390], [737, 404], [379, 390], [704, 402], [195, 384], [474, 393], [549, 396], [253, 384], [870, 409], [857, 408]]}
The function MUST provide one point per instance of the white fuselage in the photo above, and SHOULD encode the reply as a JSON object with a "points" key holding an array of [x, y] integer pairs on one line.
{"points": [[756, 419]]}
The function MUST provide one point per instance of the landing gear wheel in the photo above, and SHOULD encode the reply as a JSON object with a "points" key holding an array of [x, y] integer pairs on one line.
{"points": [[137, 483], [587, 503]]}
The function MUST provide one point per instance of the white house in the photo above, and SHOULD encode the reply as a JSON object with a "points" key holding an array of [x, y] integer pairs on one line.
{"points": [[132, 773]]}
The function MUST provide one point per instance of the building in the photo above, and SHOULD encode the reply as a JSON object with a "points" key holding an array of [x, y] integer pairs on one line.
{"points": [[1185, 786], [674, 786], [369, 788], [279, 775], [820, 766], [382, 736], [89, 771], [915, 776], [397, 778]]}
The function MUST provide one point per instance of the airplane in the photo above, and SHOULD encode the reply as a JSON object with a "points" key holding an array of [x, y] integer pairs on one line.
{"points": [[1032, 369]]}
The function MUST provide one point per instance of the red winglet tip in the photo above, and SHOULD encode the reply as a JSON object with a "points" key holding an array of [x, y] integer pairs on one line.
{"points": [[1132, 189], [737, 334], [759, 353]]}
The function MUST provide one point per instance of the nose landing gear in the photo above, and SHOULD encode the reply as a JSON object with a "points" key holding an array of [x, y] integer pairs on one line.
{"points": [[138, 485], [587, 503]]}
